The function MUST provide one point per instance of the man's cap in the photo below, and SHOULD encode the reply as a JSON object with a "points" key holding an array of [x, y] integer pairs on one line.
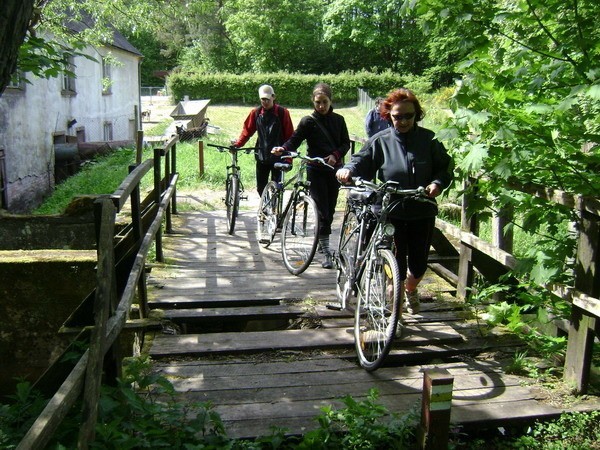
{"points": [[265, 91]]}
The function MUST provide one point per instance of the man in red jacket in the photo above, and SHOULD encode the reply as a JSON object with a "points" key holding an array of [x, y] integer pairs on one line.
{"points": [[274, 126]]}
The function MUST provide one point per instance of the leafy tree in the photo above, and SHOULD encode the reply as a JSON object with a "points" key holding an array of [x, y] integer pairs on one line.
{"points": [[376, 35], [526, 109], [279, 35]]}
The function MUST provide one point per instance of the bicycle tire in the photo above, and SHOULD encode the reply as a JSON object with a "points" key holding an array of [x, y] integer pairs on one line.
{"points": [[346, 257], [267, 214], [378, 309], [232, 201], [300, 234]]}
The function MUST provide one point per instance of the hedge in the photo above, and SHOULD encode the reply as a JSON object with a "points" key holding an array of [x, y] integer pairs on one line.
{"points": [[291, 89]]}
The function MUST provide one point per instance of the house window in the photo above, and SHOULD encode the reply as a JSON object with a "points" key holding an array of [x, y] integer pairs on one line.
{"points": [[108, 131], [17, 81], [68, 78], [106, 76]]}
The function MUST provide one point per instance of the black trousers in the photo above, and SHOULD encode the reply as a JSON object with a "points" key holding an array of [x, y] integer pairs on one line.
{"points": [[324, 189], [413, 239], [263, 170]]}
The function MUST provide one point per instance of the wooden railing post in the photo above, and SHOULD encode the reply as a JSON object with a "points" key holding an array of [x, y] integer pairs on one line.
{"points": [[157, 197], [173, 172], [434, 428], [167, 153], [465, 264], [136, 222], [105, 296], [584, 326]]}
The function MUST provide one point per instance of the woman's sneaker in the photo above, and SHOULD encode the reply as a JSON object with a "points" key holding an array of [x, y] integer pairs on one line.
{"points": [[413, 302], [327, 261]]}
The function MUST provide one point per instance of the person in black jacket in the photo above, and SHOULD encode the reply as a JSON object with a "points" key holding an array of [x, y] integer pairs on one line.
{"points": [[326, 135], [273, 124], [410, 155]]}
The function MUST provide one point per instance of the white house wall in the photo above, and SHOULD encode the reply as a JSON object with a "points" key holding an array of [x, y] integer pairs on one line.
{"points": [[31, 117]]}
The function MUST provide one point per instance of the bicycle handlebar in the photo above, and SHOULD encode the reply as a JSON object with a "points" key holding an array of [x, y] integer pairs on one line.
{"points": [[392, 187], [318, 159], [231, 148]]}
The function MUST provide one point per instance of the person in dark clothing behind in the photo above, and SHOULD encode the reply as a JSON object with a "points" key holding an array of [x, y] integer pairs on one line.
{"points": [[274, 126], [374, 123], [410, 155], [326, 135]]}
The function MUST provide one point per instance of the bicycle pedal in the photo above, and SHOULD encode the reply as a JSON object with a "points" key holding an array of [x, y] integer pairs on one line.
{"points": [[244, 197], [334, 306]]}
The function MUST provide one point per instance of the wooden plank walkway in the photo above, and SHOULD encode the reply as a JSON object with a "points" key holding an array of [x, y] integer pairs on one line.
{"points": [[260, 344]]}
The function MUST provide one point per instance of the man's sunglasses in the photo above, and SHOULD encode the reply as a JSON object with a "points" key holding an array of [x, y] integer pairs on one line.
{"points": [[408, 116]]}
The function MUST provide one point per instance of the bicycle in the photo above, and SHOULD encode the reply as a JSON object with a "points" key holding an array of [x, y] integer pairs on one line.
{"points": [[366, 266], [298, 219], [233, 183]]}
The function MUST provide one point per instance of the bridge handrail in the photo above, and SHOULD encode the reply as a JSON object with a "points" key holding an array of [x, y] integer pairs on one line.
{"points": [[86, 375], [583, 295]]}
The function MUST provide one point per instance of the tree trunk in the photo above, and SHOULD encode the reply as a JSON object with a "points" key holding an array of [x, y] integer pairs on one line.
{"points": [[14, 19]]}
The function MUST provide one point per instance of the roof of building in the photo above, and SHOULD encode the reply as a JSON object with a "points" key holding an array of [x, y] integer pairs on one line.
{"points": [[85, 21]]}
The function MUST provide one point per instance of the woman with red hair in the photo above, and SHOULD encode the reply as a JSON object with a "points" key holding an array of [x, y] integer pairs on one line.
{"points": [[410, 155]]}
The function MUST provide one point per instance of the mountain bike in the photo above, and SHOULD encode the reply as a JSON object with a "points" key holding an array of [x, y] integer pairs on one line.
{"points": [[366, 266], [233, 183], [297, 218]]}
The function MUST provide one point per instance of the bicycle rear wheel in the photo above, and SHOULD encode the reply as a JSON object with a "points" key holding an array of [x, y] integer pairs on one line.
{"points": [[267, 214], [300, 234], [346, 257], [377, 309], [232, 201]]}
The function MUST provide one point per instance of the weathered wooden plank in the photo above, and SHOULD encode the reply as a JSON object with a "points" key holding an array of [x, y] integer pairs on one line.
{"points": [[287, 339], [248, 313]]}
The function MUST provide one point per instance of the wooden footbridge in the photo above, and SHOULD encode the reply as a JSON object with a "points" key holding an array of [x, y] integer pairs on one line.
{"points": [[223, 319], [261, 345]]}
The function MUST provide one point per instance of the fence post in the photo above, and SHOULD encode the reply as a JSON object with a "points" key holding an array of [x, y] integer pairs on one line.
{"points": [[200, 158], [435, 411]]}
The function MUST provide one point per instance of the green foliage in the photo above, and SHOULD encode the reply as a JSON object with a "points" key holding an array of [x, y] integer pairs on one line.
{"points": [[375, 35], [573, 431], [525, 111], [520, 314], [291, 89], [361, 425], [18, 416]]}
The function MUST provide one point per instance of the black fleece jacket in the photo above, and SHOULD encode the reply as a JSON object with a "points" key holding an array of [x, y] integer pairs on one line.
{"points": [[412, 159], [318, 144]]}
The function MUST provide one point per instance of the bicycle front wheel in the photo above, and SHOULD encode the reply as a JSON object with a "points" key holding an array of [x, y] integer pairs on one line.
{"points": [[267, 214], [232, 201], [377, 309], [346, 257], [300, 234]]}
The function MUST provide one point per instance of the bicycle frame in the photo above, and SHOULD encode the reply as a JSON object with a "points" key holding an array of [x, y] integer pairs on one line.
{"points": [[300, 185], [373, 227]]}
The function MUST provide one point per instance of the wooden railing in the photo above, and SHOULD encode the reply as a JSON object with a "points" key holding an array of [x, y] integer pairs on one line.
{"points": [[491, 262], [120, 274]]}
